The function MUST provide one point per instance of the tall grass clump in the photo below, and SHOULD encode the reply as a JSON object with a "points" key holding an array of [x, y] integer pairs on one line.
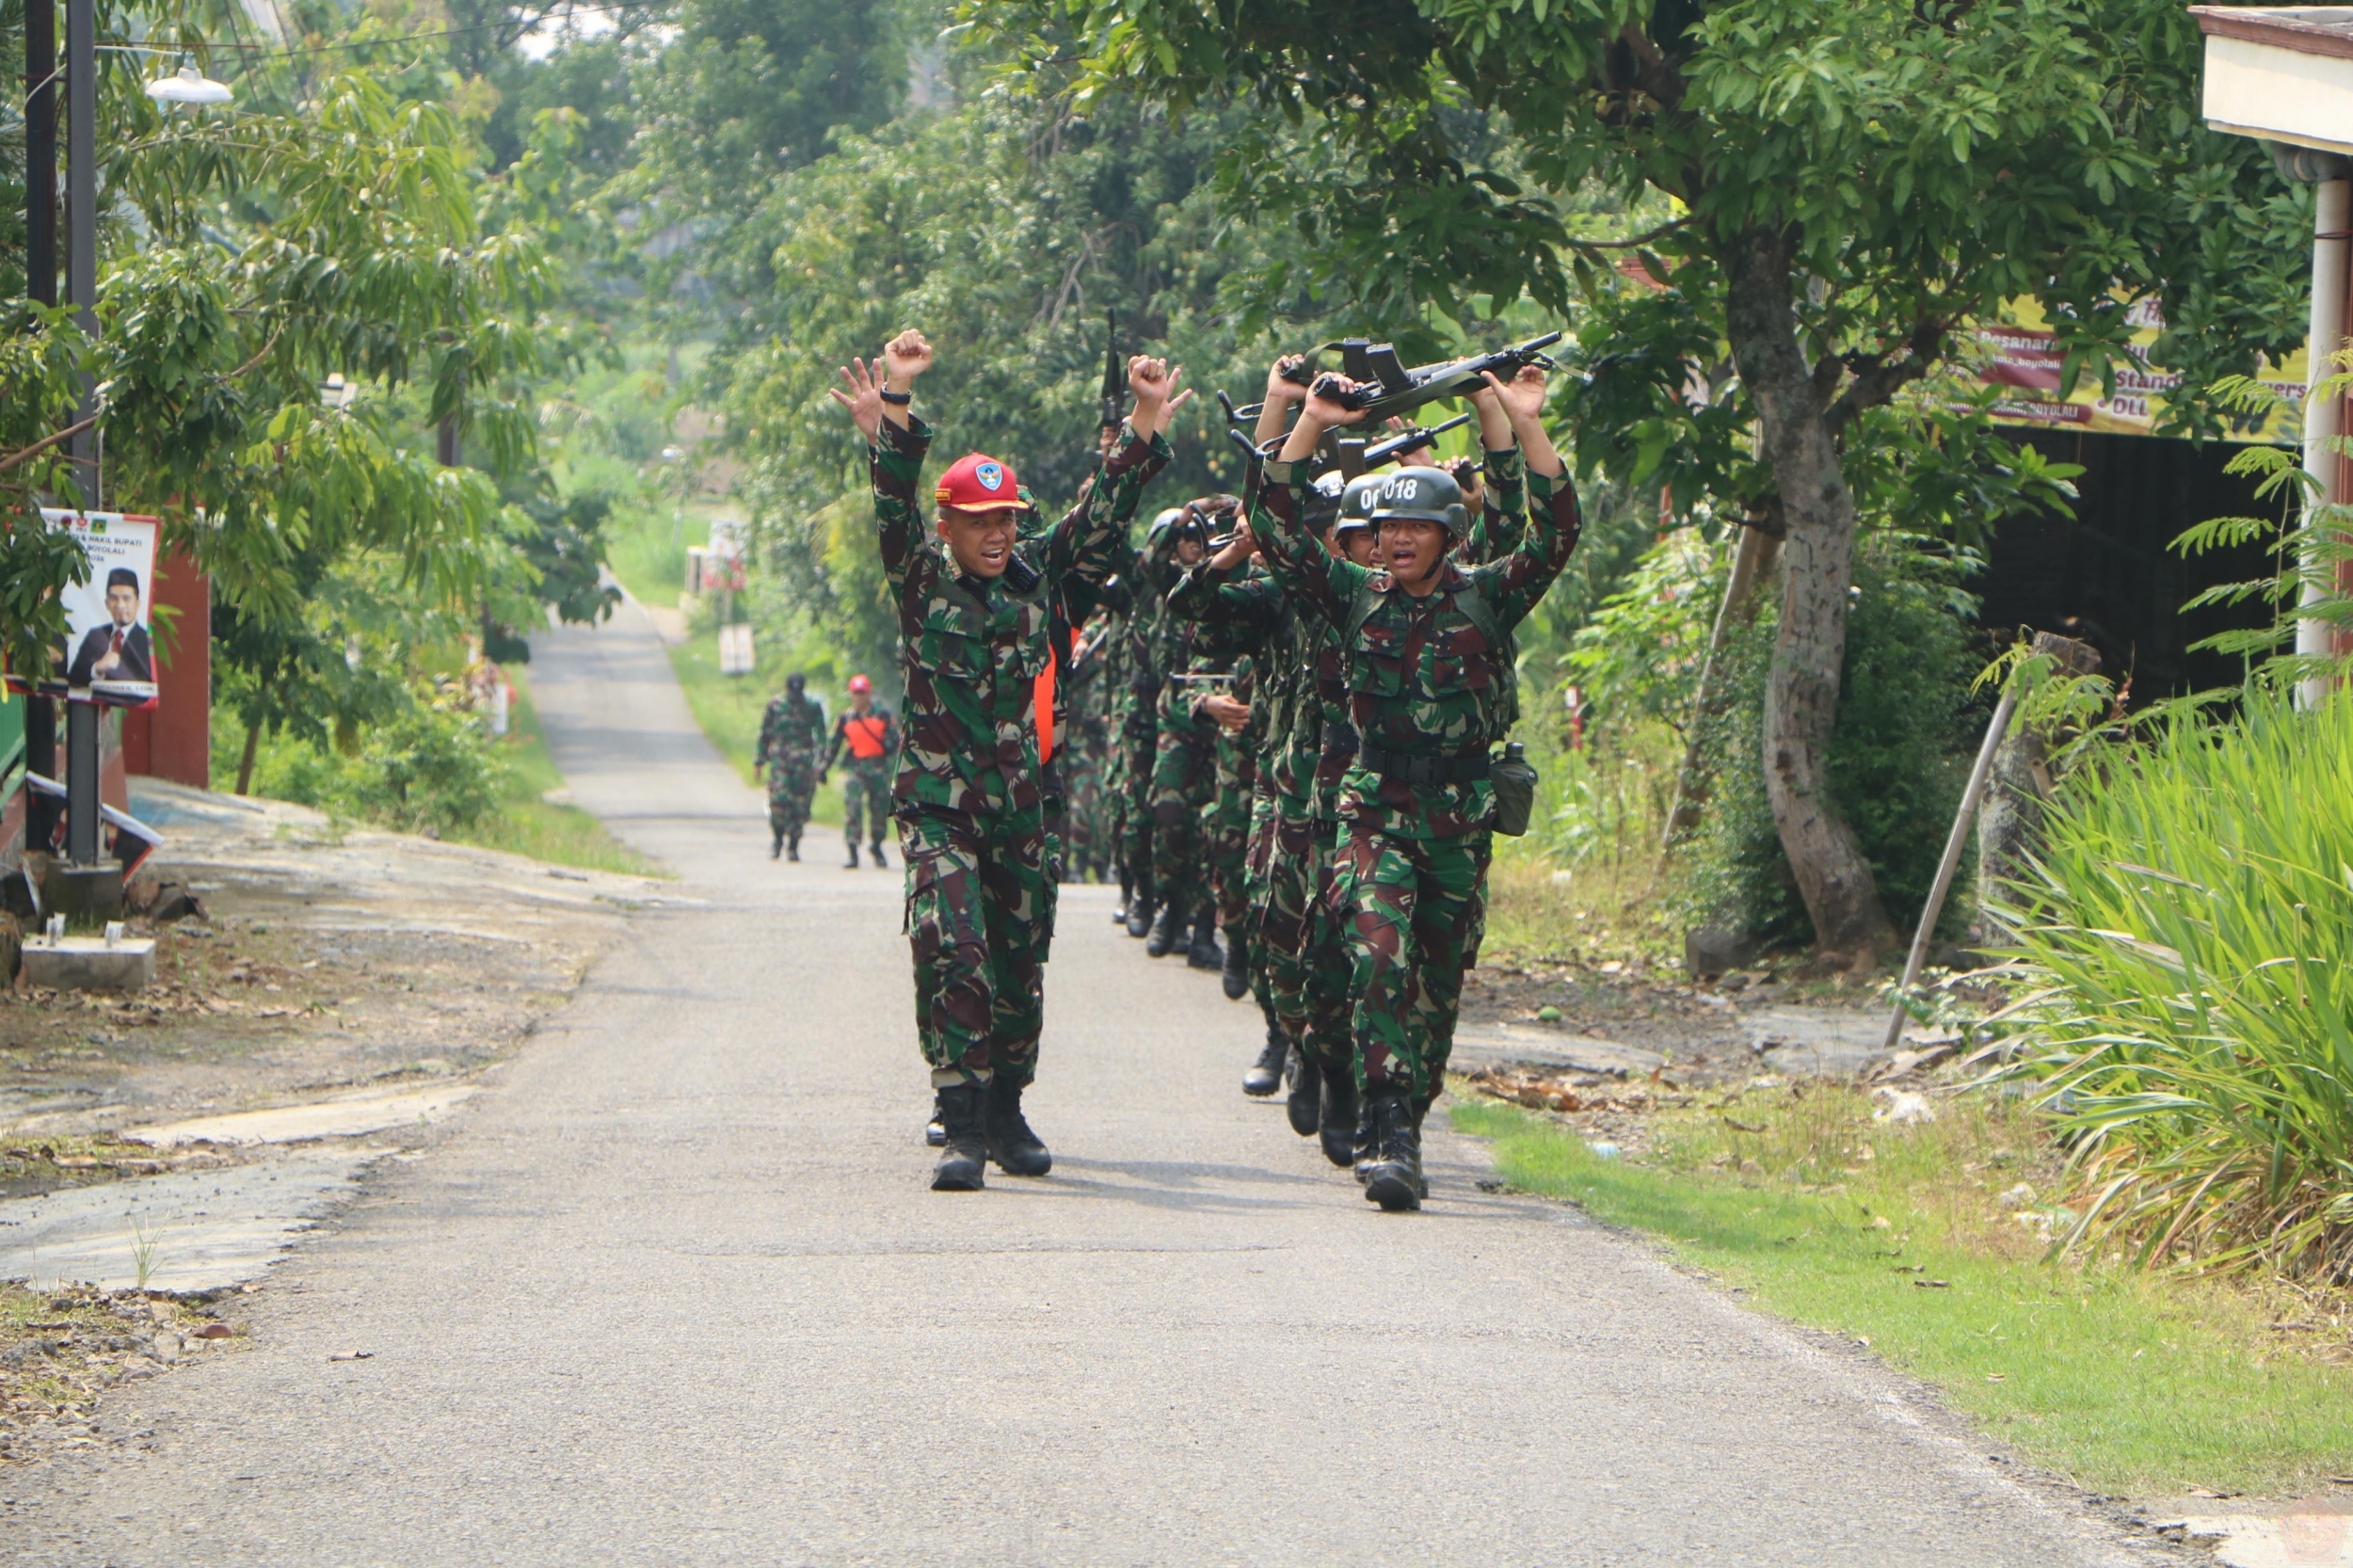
{"points": [[2190, 922]]}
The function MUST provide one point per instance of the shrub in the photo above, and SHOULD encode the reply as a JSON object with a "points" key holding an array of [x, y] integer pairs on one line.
{"points": [[2190, 924]]}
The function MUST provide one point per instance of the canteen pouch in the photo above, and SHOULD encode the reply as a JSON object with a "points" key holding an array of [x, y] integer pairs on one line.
{"points": [[1513, 780]]}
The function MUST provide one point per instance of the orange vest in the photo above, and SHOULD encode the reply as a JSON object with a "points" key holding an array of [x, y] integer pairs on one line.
{"points": [[865, 735]]}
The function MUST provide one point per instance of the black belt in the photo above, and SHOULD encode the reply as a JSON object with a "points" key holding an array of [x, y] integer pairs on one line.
{"points": [[1466, 769], [1339, 738]]}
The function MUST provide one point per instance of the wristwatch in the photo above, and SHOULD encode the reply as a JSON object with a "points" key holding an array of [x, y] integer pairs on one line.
{"points": [[901, 399]]}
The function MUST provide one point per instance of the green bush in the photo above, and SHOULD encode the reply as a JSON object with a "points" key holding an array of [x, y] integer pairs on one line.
{"points": [[1898, 758], [2190, 928], [429, 767]]}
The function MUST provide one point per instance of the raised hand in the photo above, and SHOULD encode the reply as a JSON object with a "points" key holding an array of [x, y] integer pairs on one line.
{"points": [[908, 355], [863, 399], [1237, 550], [1278, 389], [1324, 402], [1148, 378], [1522, 398], [1176, 399]]}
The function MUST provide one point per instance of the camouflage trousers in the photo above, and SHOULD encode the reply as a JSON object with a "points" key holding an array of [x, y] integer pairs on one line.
{"points": [[1284, 866], [980, 911], [1085, 830], [1183, 779], [1412, 912], [865, 799], [791, 784], [1138, 742], [1225, 833]]}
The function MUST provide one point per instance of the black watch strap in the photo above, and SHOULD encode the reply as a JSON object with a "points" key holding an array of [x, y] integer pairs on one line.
{"points": [[901, 399]]}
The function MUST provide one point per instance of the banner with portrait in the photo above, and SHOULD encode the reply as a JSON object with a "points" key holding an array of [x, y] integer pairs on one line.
{"points": [[109, 645]]}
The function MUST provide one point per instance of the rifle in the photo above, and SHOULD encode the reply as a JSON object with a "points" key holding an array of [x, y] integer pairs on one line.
{"points": [[1405, 440], [1114, 374], [1391, 388]]}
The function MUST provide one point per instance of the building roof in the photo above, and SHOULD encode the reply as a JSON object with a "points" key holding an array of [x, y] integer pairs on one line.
{"points": [[2281, 73]]}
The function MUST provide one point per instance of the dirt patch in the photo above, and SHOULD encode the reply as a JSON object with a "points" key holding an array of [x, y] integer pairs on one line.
{"points": [[60, 1350]]}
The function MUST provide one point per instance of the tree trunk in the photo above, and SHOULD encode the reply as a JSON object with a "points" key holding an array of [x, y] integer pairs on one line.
{"points": [[244, 763], [1802, 689]]}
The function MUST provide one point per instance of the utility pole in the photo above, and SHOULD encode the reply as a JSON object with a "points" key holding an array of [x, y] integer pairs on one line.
{"points": [[40, 282], [92, 890]]}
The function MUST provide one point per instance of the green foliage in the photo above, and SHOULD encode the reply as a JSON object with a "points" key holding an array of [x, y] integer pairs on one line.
{"points": [[2189, 926], [425, 766]]}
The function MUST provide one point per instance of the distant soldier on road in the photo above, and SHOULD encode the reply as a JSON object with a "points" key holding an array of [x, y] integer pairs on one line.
{"points": [[871, 736], [791, 743]]}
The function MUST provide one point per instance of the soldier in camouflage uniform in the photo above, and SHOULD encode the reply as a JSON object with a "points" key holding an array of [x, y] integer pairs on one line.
{"points": [[1184, 761], [870, 737], [1422, 637], [1135, 707], [973, 620], [791, 737]]}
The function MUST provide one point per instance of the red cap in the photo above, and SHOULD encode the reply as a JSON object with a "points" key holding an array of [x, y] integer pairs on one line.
{"points": [[860, 683], [978, 483]]}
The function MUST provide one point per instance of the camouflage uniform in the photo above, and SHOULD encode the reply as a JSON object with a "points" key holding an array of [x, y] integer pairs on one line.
{"points": [[969, 793], [792, 740], [1184, 756], [1425, 686], [1225, 820], [1135, 685], [866, 781]]}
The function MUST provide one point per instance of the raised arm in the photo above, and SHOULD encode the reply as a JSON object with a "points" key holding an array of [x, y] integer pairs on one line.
{"points": [[1087, 542], [1215, 591], [1515, 584], [896, 442], [1319, 582]]}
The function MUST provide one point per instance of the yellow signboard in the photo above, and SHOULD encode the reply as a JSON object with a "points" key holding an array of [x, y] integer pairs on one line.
{"points": [[2019, 356]]}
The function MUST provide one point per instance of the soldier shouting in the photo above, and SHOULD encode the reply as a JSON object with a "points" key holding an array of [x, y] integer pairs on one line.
{"points": [[974, 606], [1424, 642]]}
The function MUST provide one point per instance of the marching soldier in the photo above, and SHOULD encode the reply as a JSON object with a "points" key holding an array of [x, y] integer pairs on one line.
{"points": [[792, 735], [1423, 640], [973, 616], [871, 737]]}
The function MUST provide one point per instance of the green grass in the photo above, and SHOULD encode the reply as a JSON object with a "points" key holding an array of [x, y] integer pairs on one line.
{"points": [[526, 822], [2130, 1382]]}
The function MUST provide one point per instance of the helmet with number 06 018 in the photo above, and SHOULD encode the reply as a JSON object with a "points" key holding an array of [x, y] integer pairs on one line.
{"points": [[1427, 494]]}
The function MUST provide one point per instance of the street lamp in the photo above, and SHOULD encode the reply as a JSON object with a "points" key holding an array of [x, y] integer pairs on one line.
{"points": [[189, 85]]}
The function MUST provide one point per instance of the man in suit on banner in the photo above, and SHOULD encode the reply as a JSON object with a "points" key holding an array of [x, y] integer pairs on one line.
{"points": [[118, 650]]}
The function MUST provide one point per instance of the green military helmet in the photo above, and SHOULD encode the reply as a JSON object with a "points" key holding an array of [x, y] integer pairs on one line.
{"points": [[1429, 494], [1324, 499], [1356, 502], [1160, 538]]}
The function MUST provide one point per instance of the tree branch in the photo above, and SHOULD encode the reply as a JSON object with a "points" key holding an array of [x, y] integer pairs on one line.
{"points": [[1878, 378], [1635, 244], [46, 442]]}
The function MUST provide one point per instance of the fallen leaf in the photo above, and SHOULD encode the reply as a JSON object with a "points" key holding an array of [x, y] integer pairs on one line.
{"points": [[1996, 1377], [352, 1355], [1931, 1285], [213, 1331], [1911, 1267]]}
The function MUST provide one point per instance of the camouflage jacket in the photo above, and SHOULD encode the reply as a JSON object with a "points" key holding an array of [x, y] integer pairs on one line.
{"points": [[1421, 678], [1276, 636], [792, 728], [973, 649]]}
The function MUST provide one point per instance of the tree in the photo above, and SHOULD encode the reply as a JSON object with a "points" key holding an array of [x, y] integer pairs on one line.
{"points": [[1840, 188]]}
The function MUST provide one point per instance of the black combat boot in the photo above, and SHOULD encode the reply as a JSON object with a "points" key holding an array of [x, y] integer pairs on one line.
{"points": [[1140, 912], [1306, 1096], [936, 1133], [879, 862], [1393, 1179], [792, 847], [1011, 1144], [776, 846], [1336, 1124], [1204, 952], [1163, 931], [851, 864], [1126, 898], [1265, 1074], [964, 1156], [1237, 977]]}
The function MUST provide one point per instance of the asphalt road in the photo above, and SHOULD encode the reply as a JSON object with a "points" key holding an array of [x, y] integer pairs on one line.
{"points": [[675, 1292]]}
